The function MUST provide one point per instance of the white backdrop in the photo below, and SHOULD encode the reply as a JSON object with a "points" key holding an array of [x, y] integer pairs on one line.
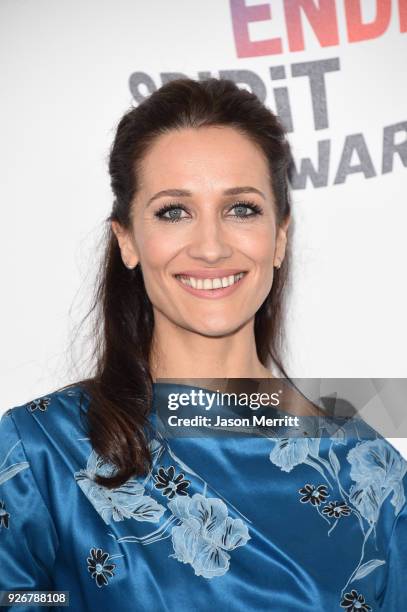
{"points": [[71, 68]]}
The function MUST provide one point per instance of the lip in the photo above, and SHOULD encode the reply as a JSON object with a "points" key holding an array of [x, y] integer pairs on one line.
{"points": [[210, 272], [212, 294]]}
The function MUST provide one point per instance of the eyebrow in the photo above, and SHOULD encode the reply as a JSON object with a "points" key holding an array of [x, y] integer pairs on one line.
{"points": [[178, 193]]}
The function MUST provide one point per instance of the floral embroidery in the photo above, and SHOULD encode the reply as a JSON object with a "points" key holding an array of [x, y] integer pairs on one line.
{"points": [[12, 470], [201, 530], [313, 495], [377, 470], [124, 502], [4, 516], [205, 534], [6, 474], [171, 486], [98, 566], [354, 602], [289, 452], [39, 404], [336, 509]]}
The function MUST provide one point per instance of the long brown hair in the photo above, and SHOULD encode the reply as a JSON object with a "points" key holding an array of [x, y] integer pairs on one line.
{"points": [[121, 386]]}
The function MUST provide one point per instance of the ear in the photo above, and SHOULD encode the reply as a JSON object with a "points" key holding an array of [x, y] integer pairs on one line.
{"points": [[126, 244], [281, 242]]}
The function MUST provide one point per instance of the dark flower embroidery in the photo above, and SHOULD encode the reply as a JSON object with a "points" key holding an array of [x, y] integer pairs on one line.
{"points": [[336, 509], [354, 602], [171, 486], [41, 404], [312, 494], [98, 568], [4, 516]]}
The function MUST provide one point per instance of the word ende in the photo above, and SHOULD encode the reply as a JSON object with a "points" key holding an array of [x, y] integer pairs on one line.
{"points": [[320, 15]]}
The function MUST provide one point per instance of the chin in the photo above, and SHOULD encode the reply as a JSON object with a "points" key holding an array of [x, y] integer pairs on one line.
{"points": [[216, 329]]}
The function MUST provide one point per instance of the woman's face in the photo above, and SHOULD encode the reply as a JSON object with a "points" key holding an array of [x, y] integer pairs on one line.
{"points": [[221, 222]]}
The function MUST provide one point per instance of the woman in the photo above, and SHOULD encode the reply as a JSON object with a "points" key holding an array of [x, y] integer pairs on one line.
{"points": [[94, 500]]}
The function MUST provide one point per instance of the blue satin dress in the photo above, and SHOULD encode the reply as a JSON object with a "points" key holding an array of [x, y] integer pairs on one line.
{"points": [[220, 523]]}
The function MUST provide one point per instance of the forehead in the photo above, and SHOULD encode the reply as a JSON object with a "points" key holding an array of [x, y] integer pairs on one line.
{"points": [[203, 158]]}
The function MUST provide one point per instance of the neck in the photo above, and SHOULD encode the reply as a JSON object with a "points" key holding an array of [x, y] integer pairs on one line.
{"points": [[184, 354]]}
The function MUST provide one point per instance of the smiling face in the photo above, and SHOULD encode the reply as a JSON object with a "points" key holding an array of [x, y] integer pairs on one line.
{"points": [[214, 228]]}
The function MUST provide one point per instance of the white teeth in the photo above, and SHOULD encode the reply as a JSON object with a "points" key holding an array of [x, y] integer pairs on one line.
{"points": [[210, 283]]}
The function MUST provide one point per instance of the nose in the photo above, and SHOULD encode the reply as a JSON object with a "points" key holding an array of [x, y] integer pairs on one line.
{"points": [[210, 241]]}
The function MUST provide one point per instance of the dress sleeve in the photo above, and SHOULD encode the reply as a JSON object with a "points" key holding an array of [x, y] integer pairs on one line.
{"points": [[28, 538], [394, 596]]}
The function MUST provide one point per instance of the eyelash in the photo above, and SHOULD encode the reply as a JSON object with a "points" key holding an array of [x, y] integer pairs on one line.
{"points": [[173, 206]]}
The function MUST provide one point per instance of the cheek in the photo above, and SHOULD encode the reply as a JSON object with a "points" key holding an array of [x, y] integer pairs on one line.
{"points": [[157, 250], [258, 246]]}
